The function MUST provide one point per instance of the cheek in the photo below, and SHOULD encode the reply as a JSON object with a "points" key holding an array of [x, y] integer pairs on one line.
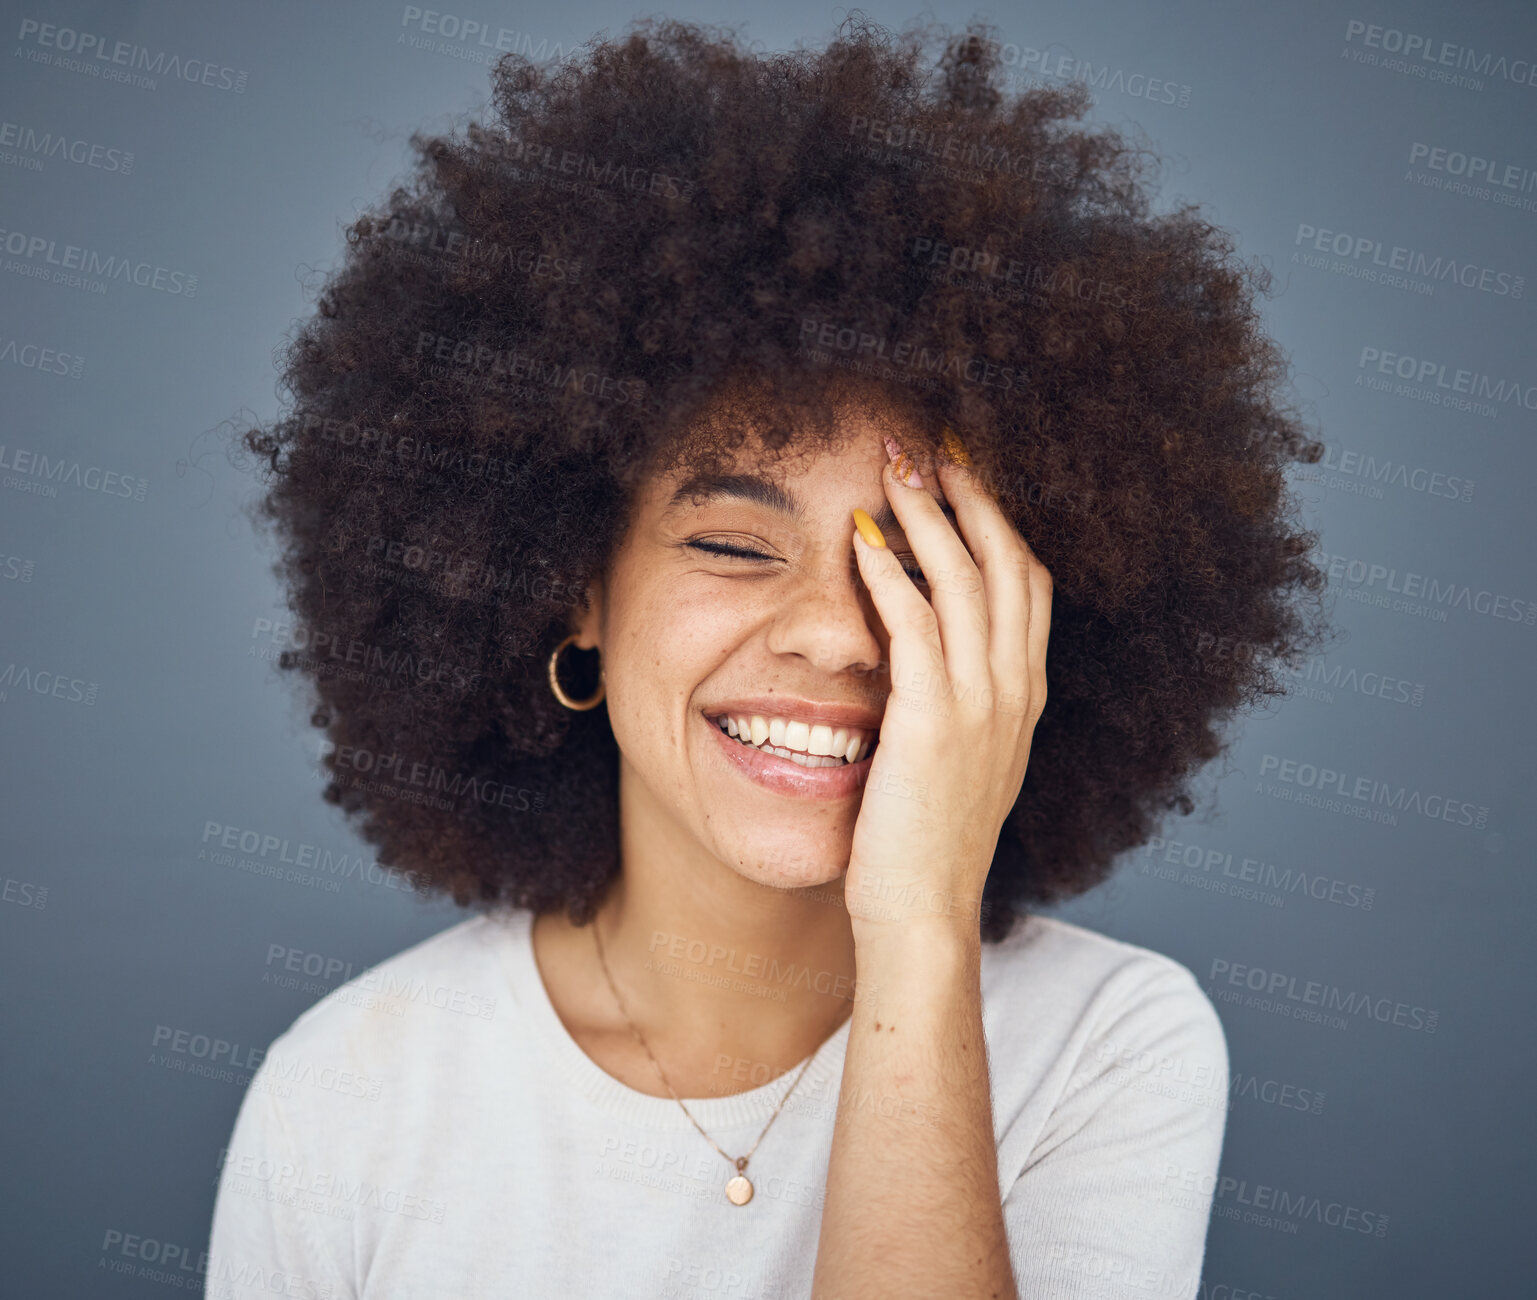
{"points": [[662, 652]]}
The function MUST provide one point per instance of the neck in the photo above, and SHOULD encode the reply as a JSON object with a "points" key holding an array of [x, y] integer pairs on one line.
{"points": [[760, 974]]}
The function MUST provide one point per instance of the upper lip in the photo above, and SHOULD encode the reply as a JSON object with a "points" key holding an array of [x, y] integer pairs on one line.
{"points": [[798, 710]]}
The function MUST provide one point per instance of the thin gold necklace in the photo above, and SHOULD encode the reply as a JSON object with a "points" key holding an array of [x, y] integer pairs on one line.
{"points": [[738, 1189]]}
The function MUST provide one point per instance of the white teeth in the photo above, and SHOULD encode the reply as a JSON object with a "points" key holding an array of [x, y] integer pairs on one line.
{"points": [[810, 745], [817, 760], [807, 760]]}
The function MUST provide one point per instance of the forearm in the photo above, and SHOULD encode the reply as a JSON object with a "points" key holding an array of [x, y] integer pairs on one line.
{"points": [[913, 1206]]}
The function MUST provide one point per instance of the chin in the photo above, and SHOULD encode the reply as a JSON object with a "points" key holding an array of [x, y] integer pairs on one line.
{"points": [[792, 864]]}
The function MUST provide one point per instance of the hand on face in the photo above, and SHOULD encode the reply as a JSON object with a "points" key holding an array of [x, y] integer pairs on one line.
{"points": [[968, 684]]}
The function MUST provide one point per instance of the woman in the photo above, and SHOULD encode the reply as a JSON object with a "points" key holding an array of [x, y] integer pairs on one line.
{"points": [[685, 478]]}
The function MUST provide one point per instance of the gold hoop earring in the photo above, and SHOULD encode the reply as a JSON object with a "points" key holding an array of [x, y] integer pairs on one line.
{"points": [[593, 700]]}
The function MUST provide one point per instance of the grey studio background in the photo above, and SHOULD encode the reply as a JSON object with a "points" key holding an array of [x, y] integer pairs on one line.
{"points": [[1356, 895]]}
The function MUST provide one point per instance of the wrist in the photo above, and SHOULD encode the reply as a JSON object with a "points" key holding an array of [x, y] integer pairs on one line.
{"points": [[925, 974], [876, 901], [915, 943]]}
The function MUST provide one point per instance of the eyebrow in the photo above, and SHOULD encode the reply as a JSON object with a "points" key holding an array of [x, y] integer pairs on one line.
{"points": [[765, 492]]}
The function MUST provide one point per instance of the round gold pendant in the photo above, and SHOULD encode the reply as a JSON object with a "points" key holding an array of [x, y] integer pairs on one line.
{"points": [[739, 1190]]}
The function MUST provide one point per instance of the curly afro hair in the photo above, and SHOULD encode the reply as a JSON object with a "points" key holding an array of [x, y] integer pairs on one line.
{"points": [[533, 325]]}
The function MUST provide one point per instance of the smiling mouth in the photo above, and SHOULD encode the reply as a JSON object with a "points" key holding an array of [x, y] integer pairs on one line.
{"points": [[842, 746]]}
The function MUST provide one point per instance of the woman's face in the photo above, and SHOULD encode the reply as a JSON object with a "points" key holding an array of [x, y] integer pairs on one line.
{"points": [[691, 634]]}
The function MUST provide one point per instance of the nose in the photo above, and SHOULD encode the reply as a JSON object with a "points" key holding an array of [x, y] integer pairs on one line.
{"points": [[828, 618]]}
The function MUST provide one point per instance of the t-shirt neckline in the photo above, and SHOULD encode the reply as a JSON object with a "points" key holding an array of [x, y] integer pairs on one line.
{"points": [[602, 1089]]}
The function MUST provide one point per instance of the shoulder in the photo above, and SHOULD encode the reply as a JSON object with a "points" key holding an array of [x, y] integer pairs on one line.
{"points": [[1095, 987], [343, 1108], [1044, 947], [428, 998]]}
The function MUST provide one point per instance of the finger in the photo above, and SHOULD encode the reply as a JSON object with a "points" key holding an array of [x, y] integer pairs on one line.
{"points": [[955, 583], [917, 659], [1040, 630], [1015, 581]]}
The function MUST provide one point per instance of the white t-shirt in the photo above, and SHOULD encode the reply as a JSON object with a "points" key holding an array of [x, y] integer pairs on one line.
{"points": [[431, 1129]]}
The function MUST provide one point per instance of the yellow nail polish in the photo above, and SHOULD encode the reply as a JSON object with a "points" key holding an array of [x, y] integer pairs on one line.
{"points": [[903, 465], [953, 447], [868, 528]]}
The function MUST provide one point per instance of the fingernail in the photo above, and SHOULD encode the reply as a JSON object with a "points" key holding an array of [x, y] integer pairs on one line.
{"points": [[953, 447], [906, 471], [868, 529]]}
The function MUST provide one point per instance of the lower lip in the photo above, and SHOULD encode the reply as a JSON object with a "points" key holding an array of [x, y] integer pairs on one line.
{"points": [[784, 776]]}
